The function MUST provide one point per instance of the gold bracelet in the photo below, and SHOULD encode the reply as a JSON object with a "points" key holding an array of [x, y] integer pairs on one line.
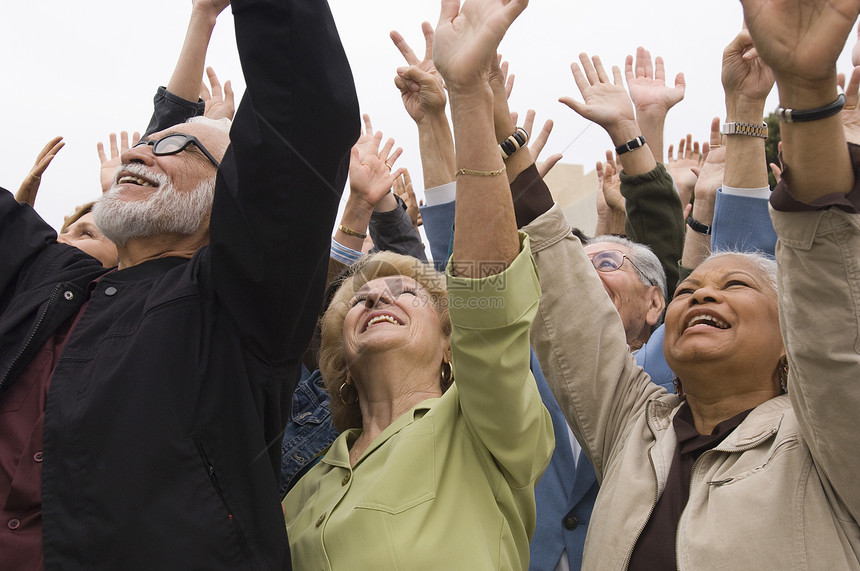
{"points": [[351, 232], [480, 173]]}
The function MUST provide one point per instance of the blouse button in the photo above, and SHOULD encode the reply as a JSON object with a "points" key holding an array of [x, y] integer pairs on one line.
{"points": [[14, 524], [345, 480], [321, 519], [37, 456]]}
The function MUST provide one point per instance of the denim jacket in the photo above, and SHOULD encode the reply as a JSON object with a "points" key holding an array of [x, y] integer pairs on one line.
{"points": [[308, 431]]}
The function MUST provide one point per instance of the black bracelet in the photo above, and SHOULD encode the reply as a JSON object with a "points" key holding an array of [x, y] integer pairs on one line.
{"points": [[630, 145], [803, 115], [697, 226]]}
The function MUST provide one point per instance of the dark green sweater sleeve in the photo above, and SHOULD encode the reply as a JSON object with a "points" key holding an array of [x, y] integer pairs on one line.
{"points": [[655, 217]]}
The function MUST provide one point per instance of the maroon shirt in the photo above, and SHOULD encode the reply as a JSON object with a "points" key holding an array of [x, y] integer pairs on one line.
{"points": [[655, 549], [22, 420]]}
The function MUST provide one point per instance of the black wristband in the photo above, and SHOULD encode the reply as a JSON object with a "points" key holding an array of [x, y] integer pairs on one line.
{"points": [[697, 226], [630, 145], [803, 115]]}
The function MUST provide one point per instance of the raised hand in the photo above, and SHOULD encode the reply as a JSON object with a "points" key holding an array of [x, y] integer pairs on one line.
{"points": [[370, 168], [810, 37], [647, 83], [611, 209], [745, 75], [30, 186], [109, 165], [403, 189], [421, 87], [605, 102], [219, 104], [537, 143], [467, 38], [681, 169]]}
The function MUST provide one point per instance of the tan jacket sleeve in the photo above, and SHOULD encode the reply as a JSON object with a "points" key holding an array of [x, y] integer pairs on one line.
{"points": [[581, 344], [819, 311]]}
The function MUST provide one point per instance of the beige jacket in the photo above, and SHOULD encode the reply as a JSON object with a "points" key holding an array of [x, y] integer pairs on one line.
{"points": [[783, 490]]}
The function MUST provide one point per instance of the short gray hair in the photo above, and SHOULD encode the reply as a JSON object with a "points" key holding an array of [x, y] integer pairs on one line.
{"points": [[763, 262], [647, 265]]}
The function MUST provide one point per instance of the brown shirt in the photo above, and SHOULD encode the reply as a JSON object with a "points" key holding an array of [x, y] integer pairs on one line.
{"points": [[655, 549]]}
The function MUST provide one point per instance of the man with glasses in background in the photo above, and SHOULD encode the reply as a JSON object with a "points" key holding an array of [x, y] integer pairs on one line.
{"points": [[141, 408]]}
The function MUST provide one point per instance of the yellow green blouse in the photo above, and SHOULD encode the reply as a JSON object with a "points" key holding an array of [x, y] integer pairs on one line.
{"points": [[450, 484]]}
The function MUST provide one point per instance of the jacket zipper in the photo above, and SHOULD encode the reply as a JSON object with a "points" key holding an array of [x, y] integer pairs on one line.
{"points": [[32, 336], [216, 484], [653, 504]]}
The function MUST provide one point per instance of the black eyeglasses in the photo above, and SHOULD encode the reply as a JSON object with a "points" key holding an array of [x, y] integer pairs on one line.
{"points": [[176, 143], [611, 260]]}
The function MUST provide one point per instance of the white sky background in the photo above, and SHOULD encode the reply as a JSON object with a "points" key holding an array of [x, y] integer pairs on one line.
{"points": [[85, 69]]}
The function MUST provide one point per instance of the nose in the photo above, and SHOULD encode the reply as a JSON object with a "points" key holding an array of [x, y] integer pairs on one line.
{"points": [[138, 154], [705, 294], [377, 297]]}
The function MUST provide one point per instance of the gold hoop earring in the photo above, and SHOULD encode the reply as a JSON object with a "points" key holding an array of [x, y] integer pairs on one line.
{"points": [[783, 373], [447, 374], [354, 398]]}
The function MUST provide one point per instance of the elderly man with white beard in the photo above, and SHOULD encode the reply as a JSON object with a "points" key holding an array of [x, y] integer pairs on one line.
{"points": [[141, 408]]}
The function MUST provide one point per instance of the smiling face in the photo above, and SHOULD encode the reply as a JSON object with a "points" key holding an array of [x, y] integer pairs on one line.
{"points": [[639, 305], [724, 312], [157, 195], [393, 313]]}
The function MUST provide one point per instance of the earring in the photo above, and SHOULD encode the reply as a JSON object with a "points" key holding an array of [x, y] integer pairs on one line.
{"points": [[783, 373], [447, 374], [354, 398], [679, 390]]}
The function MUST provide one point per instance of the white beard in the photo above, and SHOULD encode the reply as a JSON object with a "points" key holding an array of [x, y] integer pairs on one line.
{"points": [[166, 211]]}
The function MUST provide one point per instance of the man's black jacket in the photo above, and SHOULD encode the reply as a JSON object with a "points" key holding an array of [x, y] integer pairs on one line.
{"points": [[164, 415]]}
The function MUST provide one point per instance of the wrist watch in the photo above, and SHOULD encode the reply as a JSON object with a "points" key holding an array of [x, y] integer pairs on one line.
{"points": [[697, 226], [748, 129]]}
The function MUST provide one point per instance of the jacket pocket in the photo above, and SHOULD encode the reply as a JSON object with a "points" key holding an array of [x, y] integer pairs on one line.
{"points": [[778, 450], [216, 485], [408, 477]]}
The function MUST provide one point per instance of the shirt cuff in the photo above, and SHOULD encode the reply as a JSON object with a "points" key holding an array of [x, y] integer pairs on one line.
{"points": [[440, 194], [342, 254], [763, 192]]}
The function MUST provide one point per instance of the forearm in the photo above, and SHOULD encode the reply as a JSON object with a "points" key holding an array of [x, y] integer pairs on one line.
{"points": [[814, 152], [637, 161], [651, 121], [487, 247], [610, 221], [746, 163], [188, 73], [436, 146]]}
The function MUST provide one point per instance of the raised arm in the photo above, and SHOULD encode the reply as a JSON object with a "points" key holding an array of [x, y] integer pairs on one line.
{"points": [[815, 217], [423, 93], [279, 184], [180, 100], [651, 96], [30, 187]]}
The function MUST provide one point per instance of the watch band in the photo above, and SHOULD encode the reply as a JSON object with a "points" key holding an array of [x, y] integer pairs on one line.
{"points": [[697, 226], [630, 145], [748, 129]]}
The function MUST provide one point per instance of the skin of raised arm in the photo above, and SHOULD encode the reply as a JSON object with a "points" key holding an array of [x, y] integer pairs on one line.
{"points": [[709, 177], [747, 81], [681, 169], [185, 81], [608, 104], [805, 72], [503, 121], [423, 93], [30, 186], [651, 96], [465, 45]]}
